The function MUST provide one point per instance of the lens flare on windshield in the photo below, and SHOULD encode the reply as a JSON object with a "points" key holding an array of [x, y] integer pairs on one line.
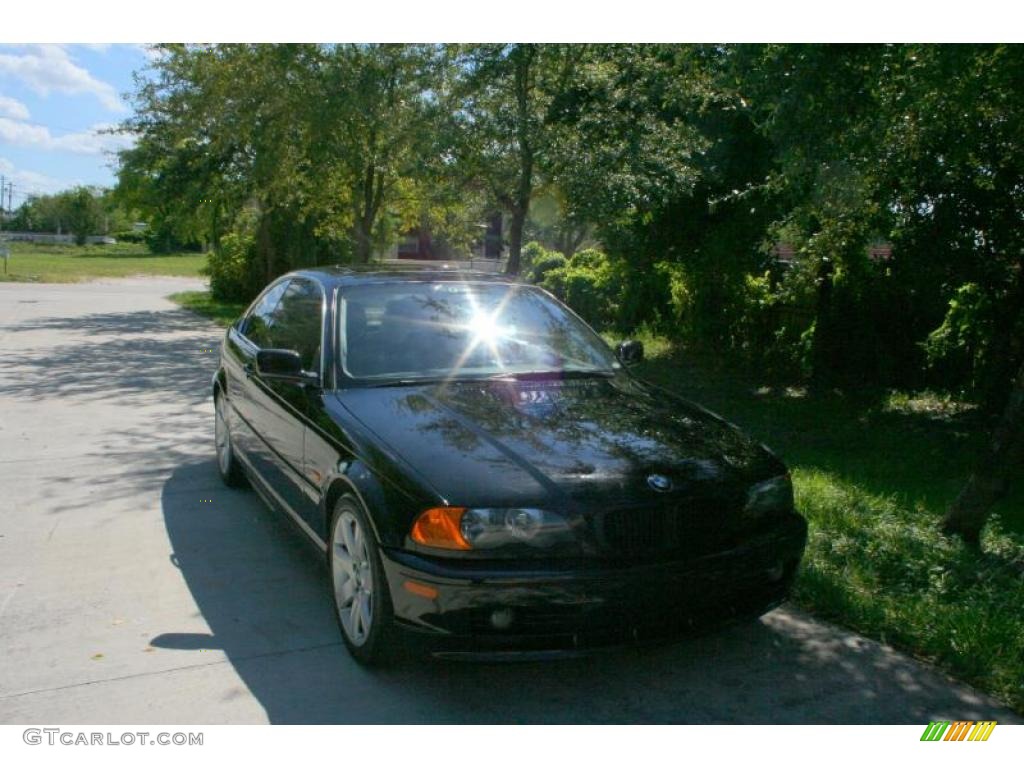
{"points": [[486, 328]]}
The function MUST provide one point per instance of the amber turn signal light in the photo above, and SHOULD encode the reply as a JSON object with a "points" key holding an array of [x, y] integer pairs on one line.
{"points": [[423, 590], [440, 527]]}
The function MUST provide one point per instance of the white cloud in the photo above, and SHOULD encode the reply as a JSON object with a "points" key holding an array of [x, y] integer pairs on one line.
{"points": [[49, 68], [90, 142], [32, 183], [13, 108], [23, 134]]}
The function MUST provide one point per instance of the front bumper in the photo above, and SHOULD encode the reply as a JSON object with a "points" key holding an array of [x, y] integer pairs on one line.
{"points": [[494, 606]]}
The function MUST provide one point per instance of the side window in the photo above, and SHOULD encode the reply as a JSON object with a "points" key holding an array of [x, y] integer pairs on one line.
{"points": [[257, 324], [297, 321]]}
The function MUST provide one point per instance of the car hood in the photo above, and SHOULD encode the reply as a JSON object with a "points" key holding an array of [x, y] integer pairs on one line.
{"points": [[559, 443]]}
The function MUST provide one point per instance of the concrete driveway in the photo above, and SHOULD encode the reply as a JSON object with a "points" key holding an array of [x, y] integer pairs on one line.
{"points": [[135, 588]]}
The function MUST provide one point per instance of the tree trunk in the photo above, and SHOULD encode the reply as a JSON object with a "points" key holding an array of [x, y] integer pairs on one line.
{"points": [[366, 216], [988, 484], [362, 227], [215, 227], [524, 133], [265, 247], [364, 247], [515, 240]]}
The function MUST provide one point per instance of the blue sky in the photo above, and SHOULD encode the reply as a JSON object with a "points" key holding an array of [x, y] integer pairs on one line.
{"points": [[53, 100]]}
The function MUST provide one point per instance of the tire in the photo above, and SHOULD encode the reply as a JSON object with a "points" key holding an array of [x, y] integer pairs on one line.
{"points": [[352, 541], [231, 471]]}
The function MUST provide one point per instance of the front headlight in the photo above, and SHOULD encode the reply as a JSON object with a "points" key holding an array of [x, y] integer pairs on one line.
{"points": [[488, 528], [774, 495]]}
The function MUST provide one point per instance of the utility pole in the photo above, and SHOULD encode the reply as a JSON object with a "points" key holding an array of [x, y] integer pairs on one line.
{"points": [[9, 208], [4, 252]]}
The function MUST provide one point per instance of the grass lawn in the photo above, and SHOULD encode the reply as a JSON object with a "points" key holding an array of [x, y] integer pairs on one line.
{"points": [[202, 303], [37, 262], [873, 476]]}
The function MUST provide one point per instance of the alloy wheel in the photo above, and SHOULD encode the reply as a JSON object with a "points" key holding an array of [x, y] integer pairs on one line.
{"points": [[353, 578], [221, 437]]}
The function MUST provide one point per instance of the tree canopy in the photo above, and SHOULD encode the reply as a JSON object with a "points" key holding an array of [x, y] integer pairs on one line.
{"points": [[848, 214]]}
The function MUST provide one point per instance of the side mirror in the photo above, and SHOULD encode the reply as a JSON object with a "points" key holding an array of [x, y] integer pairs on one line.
{"points": [[284, 364], [630, 352]]}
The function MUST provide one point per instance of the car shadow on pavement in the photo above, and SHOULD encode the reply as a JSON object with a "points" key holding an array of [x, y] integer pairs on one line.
{"points": [[261, 590]]}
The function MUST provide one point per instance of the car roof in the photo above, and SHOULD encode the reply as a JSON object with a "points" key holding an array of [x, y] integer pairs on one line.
{"points": [[338, 275]]}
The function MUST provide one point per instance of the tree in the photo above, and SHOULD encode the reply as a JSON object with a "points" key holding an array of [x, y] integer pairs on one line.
{"points": [[84, 212], [501, 96], [310, 149], [372, 117], [919, 145], [39, 213], [646, 145], [819, 107], [217, 134]]}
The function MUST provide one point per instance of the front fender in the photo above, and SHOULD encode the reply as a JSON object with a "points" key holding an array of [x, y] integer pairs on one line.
{"points": [[389, 508], [218, 381]]}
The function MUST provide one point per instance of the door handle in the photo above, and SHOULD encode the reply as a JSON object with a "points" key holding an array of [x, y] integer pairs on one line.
{"points": [[249, 369]]}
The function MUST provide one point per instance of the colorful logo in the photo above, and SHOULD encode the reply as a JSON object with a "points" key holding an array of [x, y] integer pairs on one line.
{"points": [[960, 730]]}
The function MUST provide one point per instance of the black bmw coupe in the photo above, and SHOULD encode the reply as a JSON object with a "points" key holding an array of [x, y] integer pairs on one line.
{"points": [[485, 475]]}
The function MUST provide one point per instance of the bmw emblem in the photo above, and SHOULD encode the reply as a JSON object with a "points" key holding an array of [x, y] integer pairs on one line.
{"points": [[659, 483]]}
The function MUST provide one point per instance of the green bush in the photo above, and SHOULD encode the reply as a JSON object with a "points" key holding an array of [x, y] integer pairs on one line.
{"points": [[129, 236], [538, 261], [960, 348], [770, 329], [642, 297], [531, 253], [587, 284], [229, 267]]}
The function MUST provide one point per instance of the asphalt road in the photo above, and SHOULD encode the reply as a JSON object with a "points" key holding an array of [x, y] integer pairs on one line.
{"points": [[135, 588]]}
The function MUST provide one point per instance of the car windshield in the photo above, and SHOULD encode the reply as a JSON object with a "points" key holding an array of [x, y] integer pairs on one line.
{"points": [[458, 330]]}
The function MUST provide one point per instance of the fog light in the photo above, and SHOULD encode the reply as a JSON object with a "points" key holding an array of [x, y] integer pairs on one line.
{"points": [[502, 618]]}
